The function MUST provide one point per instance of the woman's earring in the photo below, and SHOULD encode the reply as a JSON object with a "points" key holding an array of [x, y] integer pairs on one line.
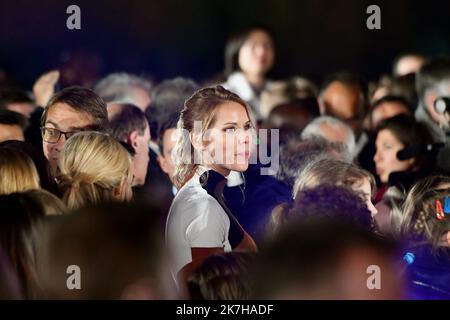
{"points": [[439, 210]]}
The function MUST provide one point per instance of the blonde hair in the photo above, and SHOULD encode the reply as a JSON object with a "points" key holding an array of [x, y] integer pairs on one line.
{"points": [[92, 165], [51, 204], [201, 107], [331, 171], [17, 172]]}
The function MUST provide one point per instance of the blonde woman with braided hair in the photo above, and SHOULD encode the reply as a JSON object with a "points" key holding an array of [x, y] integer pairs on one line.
{"points": [[215, 138], [94, 167]]}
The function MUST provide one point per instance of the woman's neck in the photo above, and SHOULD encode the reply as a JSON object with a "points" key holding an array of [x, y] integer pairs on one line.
{"points": [[256, 80], [219, 169]]}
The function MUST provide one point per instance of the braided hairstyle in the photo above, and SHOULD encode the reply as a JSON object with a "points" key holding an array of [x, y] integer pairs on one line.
{"points": [[93, 167]]}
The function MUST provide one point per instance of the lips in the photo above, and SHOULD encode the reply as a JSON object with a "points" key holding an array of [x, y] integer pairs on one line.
{"points": [[379, 171], [243, 154]]}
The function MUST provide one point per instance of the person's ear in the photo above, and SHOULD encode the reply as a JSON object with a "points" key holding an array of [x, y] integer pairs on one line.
{"points": [[430, 98], [196, 141], [132, 139], [120, 190]]}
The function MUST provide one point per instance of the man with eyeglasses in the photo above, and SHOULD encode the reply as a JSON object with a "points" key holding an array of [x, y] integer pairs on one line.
{"points": [[69, 111]]}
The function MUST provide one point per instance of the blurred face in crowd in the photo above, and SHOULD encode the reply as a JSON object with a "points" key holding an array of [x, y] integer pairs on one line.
{"points": [[409, 64], [365, 189], [343, 101], [257, 54], [387, 145], [227, 142], [387, 110], [141, 157], [166, 159], [141, 98], [61, 117], [23, 108], [11, 132]]}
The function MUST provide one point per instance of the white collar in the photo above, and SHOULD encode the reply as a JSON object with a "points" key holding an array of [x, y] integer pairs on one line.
{"points": [[240, 84], [233, 179]]}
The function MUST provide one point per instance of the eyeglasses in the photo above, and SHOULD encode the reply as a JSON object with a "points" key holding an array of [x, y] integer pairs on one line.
{"points": [[52, 135]]}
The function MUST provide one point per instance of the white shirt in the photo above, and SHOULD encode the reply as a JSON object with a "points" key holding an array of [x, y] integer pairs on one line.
{"points": [[195, 220], [238, 84]]}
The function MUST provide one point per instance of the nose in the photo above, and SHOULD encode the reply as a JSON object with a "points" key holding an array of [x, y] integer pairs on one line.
{"points": [[373, 210], [60, 144], [377, 156], [260, 50], [243, 137]]}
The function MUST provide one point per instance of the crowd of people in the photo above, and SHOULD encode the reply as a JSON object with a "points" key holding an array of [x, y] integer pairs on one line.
{"points": [[241, 187]]}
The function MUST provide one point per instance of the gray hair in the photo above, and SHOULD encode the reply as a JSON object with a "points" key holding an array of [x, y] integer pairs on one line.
{"points": [[313, 130], [118, 87]]}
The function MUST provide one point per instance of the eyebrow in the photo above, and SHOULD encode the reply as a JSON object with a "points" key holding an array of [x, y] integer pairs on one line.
{"points": [[52, 123], [70, 128], [234, 123]]}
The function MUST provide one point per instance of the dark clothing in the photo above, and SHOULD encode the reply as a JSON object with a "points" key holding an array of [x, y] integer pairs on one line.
{"points": [[33, 131], [428, 276], [214, 183], [253, 207], [157, 189]]}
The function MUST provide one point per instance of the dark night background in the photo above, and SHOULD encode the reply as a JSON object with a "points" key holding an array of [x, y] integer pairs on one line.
{"points": [[164, 39]]}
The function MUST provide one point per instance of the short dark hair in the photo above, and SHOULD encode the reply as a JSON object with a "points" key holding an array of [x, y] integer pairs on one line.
{"points": [[392, 99], [405, 86], [13, 118], [127, 120], [170, 123], [83, 100], [408, 131], [431, 73], [13, 95]]}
